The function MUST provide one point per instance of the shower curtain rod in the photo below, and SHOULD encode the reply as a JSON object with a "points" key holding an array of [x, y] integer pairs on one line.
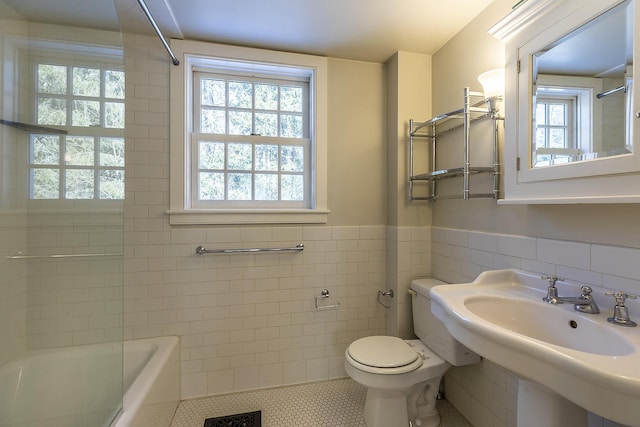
{"points": [[144, 8], [609, 92]]}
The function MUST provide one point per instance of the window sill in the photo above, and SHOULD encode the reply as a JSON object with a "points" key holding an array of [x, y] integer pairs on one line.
{"points": [[242, 216]]}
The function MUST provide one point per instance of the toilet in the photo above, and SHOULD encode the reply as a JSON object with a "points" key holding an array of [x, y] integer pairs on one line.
{"points": [[403, 376]]}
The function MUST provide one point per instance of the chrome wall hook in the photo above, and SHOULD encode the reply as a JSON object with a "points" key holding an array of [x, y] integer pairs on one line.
{"points": [[388, 293]]}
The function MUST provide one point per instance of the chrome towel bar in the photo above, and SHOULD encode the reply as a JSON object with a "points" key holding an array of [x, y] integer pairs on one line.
{"points": [[63, 256], [201, 250]]}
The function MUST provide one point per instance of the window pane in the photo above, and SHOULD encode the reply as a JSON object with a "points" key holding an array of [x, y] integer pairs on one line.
{"points": [[541, 138], [213, 121], [78, 184], [267, 158], [557, 114], [114, 115], [211, 155], [79, 151], [267, 124], [52, 111], [266, 187], [86, 82], [240, 94], [557, 138], [114, 84], [541, 114], [266, 97], [46, 183], [240, 156], [85, 113], [112, 184], [292, 159], [212, 92], [45, 149], [211, 186], [239, 123], [291, 126], [52, 79], [112, 152], [291, 99], [239, 186], [292, 187]]}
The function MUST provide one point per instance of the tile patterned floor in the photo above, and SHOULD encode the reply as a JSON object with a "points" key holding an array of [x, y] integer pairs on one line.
{"points": [[335, 403]]}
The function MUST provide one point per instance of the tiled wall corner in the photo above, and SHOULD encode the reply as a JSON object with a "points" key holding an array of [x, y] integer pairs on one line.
{"points": [[408, 257]]}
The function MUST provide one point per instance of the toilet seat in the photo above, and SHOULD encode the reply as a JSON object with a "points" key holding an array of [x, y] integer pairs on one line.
{"points": [[383, 355]]}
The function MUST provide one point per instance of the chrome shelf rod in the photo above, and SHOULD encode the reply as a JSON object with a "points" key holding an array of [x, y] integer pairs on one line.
{"points": [[201, 250]]}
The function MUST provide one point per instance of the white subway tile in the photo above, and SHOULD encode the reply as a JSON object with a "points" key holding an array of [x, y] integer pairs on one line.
{"points": [[570, 254], [616, 261], [517, 246]]}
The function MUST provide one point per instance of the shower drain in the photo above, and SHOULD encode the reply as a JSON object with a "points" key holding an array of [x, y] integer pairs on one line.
{"points": [[248, 419]]}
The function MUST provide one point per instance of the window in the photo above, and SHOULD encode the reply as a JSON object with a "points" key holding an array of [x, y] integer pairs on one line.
{"points": [[565, 119], [554, 135], [251, 142], [86, 162], [248, 142]]}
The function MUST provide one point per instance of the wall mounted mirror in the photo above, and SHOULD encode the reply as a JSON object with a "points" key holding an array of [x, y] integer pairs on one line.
{"points": [[581, 87], [571, 132]]}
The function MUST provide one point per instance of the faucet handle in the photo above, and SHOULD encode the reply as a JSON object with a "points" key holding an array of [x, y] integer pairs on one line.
{"points": [[620, 311], [620, 296], [552, 279]]}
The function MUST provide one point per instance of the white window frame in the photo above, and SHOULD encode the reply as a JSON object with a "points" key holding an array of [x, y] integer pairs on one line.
{"points": [[197, 55]]}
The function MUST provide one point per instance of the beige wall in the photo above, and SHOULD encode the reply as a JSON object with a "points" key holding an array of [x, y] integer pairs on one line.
{"points": [[408, 238], [409, 97], [457, 65], [357, 172]]}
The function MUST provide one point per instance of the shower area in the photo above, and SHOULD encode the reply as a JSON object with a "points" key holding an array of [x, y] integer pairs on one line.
{"points": [[61, 217]]}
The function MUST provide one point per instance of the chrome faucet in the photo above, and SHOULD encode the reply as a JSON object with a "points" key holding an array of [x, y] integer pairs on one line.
{"points": [[552, 291], [583, 303]]}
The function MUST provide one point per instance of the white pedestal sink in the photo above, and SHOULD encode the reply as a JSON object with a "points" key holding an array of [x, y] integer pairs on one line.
{"points": [[569, 362]]}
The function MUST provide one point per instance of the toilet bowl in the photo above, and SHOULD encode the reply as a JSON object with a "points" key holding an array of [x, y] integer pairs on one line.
{"points": [[402, 377]]}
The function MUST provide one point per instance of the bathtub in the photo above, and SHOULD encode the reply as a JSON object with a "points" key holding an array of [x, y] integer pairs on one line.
{"points": [[57, 387]]}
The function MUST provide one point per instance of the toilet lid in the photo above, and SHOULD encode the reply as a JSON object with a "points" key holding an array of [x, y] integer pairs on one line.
{"points": [[382, 352]]}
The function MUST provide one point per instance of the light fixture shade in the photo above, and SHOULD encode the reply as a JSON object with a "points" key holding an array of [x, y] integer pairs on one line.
{"points": [[492, 82]]}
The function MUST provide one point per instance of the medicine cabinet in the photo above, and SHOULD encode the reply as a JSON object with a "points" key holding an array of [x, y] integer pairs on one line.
{"points": [[572, 133]]}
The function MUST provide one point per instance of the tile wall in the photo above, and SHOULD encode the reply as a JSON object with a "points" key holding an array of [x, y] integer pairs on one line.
{"points": [[74, 301], [246, 321], [486, 394], [13, 285]]}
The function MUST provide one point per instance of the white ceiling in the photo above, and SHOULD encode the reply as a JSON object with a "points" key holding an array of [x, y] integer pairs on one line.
{"points": [[368, 30]]}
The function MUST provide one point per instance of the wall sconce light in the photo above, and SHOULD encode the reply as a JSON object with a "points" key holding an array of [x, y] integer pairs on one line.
{"points": [[492, 82]]}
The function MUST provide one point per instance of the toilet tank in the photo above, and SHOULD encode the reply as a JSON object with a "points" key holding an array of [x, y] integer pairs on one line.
{"points": [[432, 331]]}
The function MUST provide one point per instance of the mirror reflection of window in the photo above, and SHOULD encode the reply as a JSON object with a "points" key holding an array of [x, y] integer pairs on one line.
{"points": [[582, 91]]}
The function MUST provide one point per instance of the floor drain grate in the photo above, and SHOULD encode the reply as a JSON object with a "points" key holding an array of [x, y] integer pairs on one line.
{"points": [[248, 419]]}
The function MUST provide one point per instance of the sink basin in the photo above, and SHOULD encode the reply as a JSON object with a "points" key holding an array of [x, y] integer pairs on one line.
{"points": [[544, 322], [578, 356]]}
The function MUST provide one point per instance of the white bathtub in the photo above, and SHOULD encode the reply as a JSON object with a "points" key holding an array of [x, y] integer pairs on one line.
{"points": [[64, 387]]}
